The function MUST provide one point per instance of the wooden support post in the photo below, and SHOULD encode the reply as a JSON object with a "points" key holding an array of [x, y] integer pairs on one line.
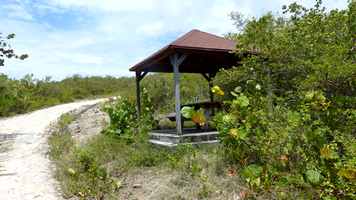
{"points": [[139, 77], [209, 78], [138, 95], [176, 61], [211, 94]]}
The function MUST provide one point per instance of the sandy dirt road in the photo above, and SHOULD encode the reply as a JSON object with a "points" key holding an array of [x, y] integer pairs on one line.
{"points": [[25, 170]]}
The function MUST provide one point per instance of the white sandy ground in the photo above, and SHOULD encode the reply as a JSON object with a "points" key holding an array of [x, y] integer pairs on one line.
{"points": [[25, 170]]}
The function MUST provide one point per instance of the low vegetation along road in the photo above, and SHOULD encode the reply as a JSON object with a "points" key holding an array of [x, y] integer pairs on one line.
{"points": [[25, 171]]}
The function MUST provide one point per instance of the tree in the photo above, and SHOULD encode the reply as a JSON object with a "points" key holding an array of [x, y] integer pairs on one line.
{"points": [[352, 28], [307, 49], [303, 64], [6, 51]]}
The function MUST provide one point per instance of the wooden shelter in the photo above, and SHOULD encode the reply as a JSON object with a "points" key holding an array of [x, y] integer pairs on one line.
{"points": [[194, 52]]}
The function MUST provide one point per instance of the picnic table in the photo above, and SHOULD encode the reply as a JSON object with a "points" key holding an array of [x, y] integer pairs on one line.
{"points": [[209, 108], [205, 105]]}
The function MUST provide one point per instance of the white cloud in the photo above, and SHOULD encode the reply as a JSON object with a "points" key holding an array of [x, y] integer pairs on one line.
{"points": [[86, 59], [108, 5], [152, 29], [44, 8], [107, 37]]}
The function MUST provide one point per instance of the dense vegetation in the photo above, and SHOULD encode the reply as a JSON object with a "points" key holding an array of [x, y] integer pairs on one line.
{"points": [[290, 121], [288, 129], [28, 93], [290, 109], [116, 165]]}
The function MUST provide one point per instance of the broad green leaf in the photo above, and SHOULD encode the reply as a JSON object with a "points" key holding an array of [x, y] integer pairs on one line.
{"points": [[252, 171], [349, 173], [313, 177], [242, 101], [187, 112]]}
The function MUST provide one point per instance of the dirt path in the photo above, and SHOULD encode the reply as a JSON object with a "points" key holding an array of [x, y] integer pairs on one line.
{"points": [[25, 171]]}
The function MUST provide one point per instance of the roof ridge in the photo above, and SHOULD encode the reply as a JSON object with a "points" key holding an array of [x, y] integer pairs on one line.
{"points": [[183, 37], [217, 36], [187, 35], [194, 40]]}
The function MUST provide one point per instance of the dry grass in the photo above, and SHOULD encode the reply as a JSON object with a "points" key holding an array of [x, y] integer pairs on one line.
{"points": [[137, 170], [158, 183]]}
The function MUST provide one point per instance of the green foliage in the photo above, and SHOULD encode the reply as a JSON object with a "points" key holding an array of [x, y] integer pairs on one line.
{"points": [[314, 177], [124, 121], [89, 178], [252, 174], [187, 112], [28, 94], [197, 116], [106, 166], [93, 170], [60, 143], [160, 89], [6, 52], [292, 116], [122, 115], [65, 120], [103, 167], [77, 168], [294, 142], [147, 119], [352, 29]]}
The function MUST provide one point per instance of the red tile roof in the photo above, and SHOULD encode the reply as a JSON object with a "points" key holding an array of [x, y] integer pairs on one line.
{"points": [[202, 40], [195, 40]]}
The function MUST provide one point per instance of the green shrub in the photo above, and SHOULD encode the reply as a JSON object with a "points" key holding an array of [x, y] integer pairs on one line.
{"points": [[78, 168], [60, 143], [293, 112], [124, 121], [293, 142], [88, 178], [123, 117]]}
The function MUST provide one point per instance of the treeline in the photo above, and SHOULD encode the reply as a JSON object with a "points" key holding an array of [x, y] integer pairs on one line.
{"points": [[28, 94]]}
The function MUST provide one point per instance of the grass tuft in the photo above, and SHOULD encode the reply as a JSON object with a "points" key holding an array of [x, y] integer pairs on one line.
{"points": [[109, 167]]}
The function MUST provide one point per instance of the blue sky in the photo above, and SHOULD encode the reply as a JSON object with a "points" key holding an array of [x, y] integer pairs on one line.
{"points": [[106, 37]]}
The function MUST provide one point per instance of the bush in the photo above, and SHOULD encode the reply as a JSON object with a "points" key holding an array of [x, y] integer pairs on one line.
{"points": [[291, 147], [124, 121], [123, 117], [87, 177], [77, 168], [290, 123]]}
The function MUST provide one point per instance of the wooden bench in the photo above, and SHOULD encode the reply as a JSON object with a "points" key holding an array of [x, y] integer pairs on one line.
{"points": [[205, 105]]}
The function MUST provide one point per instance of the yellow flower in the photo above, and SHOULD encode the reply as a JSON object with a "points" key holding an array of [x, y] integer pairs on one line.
{"points": [[349, 173], [217, 90], [71, 171], [234, 133], [199, 118], [328, 152], [238, 134]]}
